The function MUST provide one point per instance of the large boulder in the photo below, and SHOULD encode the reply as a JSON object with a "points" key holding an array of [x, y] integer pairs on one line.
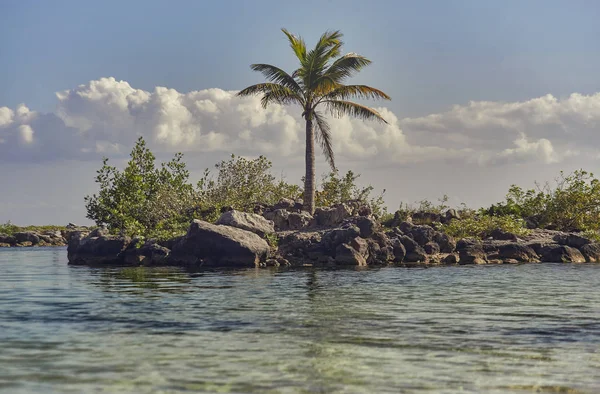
{"points": [[422, 234], [398, 249], [591, 252], [27, 236], [471, 251], [431, 248], [7, 239], [147, 254], [347, 255], [210, 245], [367, 226], [519, 252], [561, 254], [88, 250], [332, 216], [299, 220], [247, 221], [447, 243]]}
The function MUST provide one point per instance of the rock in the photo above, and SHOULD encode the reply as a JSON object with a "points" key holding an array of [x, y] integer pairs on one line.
{"points": [[591, 252], [7, 239], [471, 252], [431, 248], [451, 259], [339, 236], [518, 252], [577, 241], [101, 231], [447, 243], [299, 220], [409, 243], [27, 236], [97, 250], [213, 245], [364, 210], [347, 255], [502, 235], [398, 249], [280, 219], [417, 255], [406, 226], [333, 216], [422, 234], [295, 243], [451, 214], [361, 246], [367, 226], [247, 221], [561, 254], [148, 254], [285, 203]]}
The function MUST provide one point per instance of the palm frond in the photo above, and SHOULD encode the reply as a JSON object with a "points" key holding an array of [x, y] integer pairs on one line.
{"points": [[276, 75], [344, 92], [324, 138], [297, 44], [272, 93], [339, 108], [346, 66], [280, 97]]}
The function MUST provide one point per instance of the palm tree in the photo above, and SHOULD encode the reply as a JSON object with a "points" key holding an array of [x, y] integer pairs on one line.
{"points": [[317, 84]]}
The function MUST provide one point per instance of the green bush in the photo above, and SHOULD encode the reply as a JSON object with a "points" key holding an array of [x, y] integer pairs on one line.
{"points": [[9, 229], [481, 226], [573, 204], [336, 189], [142, 198]]}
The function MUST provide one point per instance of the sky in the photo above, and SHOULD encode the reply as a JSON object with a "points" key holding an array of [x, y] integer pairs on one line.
{"points": [[484, 94]]}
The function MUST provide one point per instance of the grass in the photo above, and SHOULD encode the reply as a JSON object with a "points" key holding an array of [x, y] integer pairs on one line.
{"points": [[9, 229]]}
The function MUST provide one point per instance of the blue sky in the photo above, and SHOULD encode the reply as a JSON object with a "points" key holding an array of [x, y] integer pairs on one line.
{"points": [[427, 54], [499, 92]]}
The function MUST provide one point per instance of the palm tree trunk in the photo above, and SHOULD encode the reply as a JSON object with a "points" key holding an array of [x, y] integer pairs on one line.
{"points": [[309, 179]]}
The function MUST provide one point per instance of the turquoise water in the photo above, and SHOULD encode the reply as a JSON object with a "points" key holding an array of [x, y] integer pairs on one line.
{"points": [[477, 329]]}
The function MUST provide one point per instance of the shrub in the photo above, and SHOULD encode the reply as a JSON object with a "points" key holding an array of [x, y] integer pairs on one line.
{"points": [[142, 198], [481, 226], [336, 189], [572, 205]]}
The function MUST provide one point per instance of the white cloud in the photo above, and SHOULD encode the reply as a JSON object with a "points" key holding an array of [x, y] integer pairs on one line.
{"points": [[106, 116]]}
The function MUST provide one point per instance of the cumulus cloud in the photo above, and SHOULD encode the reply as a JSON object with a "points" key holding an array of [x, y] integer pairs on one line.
{"points": [[106, 116]]}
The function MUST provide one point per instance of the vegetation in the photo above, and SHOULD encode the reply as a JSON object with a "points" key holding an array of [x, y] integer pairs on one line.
{"points": [[573, 204], [9, 229], [481, 226], [159, 201], [317, 84]]}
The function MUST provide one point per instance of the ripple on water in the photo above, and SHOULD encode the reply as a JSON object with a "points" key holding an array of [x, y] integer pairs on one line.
{"points": [[496, 329]]}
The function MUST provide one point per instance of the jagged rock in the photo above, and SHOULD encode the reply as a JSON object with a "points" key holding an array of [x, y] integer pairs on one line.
{"points": [[398, 249], [299, 220], [360, 245], [591, 252], [97, 250], [285, 203], [27, 236], [279, 218], [431, 248], [148, 254], [471, 252], [7, 239], [451, 259], [213, 245], [417, 255], [575, 241], [247, 221], [99, 232], [406, 226], [447, 243], [339, 236], [409, 243], [518, 252], [561, 254], [422, 234], [451, 214], [333, 216], [347, 255], [502, 235], [367, 226]]}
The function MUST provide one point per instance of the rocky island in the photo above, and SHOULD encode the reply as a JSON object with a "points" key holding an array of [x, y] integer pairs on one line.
{"points": [[340, 235]]}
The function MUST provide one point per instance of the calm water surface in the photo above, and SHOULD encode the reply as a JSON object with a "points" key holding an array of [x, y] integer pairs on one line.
{"points": [[492, 329]]}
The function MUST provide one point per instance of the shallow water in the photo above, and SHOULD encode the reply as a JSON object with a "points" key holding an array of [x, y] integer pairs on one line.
{"points": [[476, 329]]}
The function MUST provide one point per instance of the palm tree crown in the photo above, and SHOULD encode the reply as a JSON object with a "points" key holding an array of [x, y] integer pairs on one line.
{"points": [[317, 85]]}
